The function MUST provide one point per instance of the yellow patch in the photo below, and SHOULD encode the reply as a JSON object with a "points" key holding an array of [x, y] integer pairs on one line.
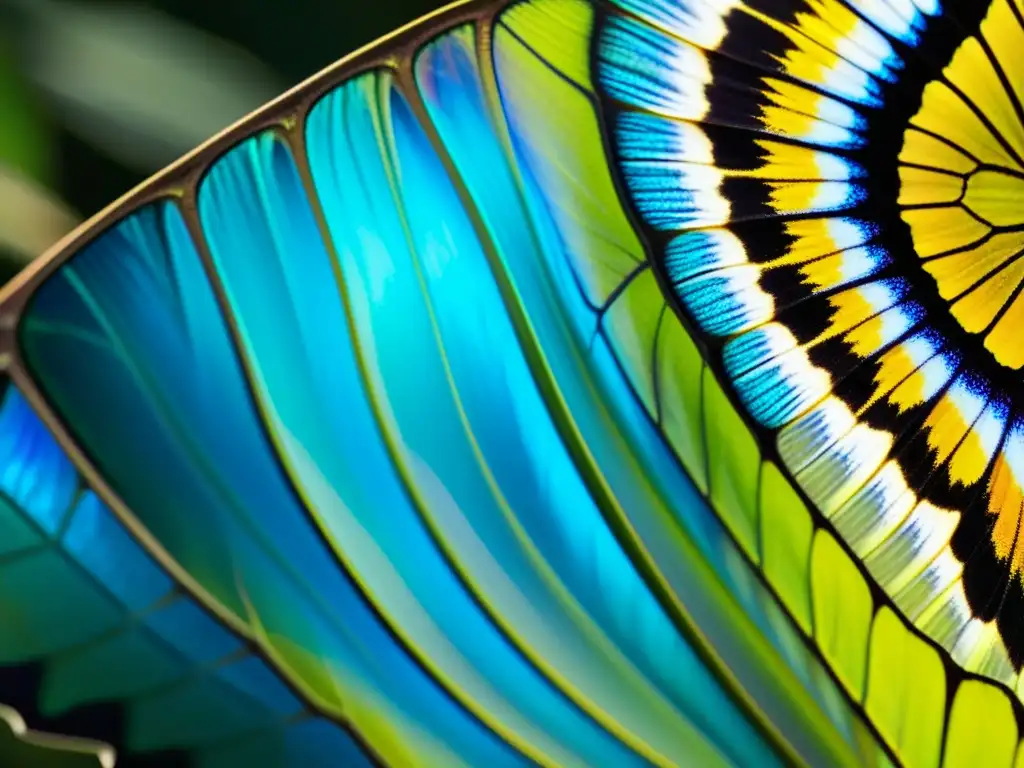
{"points": [[851, 308], [946, 427], [978, 308], [830, 23], [1005, 498], [813, 57], [1004, 342], [898, 373], [824, 272], [812, 239], [793, 110], [941, 230], [970, 460], [868, 336], [795, 196], [923, 149], [958, 272], [995, 197], [787, 161], [910, 392]]}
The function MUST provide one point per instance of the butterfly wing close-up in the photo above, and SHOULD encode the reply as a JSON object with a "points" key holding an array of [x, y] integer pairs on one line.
{"points": [[551, 383]]}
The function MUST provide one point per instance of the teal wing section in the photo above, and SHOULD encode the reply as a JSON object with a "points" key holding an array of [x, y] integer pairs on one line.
{"points": [[109, 624]]}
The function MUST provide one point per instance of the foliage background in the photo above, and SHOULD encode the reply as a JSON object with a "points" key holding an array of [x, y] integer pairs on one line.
{"points": [[95, 96]]}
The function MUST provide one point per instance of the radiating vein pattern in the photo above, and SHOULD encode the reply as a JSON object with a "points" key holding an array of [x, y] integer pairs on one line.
{"points": [[618, 384]]}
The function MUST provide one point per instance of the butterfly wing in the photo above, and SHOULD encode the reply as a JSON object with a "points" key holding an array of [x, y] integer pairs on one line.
{"points": [[486, 400]]}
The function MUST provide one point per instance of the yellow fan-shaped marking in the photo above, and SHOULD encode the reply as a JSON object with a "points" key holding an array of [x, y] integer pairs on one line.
{"points": [[962, 182], [944, 113]]}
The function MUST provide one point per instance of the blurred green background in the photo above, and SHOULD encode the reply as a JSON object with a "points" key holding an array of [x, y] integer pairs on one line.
{"points": [[95, 96]]}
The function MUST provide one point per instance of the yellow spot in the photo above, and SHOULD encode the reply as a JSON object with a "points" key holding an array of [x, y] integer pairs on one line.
{"points": [[793, 109], [1005, 339], [940, 230], [825, 272], [923, 149], [897, 373], [977, 309], [851, 308], [920, 187], [867, 337], [970, 460], [946, 427], [958, 272], [811, 239], [996, 197], [1004, 502]]}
